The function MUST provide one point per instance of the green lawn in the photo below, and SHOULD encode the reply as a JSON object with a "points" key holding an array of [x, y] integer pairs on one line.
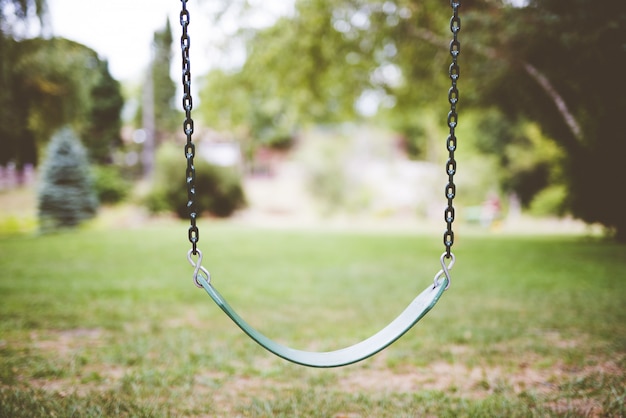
{"points": [[109, 323]]}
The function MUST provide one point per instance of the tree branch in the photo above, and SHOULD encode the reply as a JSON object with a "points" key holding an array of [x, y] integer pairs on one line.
{"points": [[530, 69], [559, 102]]}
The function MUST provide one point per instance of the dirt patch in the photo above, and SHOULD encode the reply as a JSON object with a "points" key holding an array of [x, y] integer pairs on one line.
{"points": [[269, 377], [63, 348], [457, 379], [65, 342], [479, 382]]}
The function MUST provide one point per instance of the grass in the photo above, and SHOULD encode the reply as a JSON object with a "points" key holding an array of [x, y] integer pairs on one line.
{"points": [[101, 322]]}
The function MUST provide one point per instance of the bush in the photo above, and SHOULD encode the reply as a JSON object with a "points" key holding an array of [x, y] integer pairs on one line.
{"points": [[549, 202], [218, 189], [66, 196], [109, 184]]}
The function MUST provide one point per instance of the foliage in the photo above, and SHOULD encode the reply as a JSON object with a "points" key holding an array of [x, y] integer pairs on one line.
{"points": [[218, 189], [103, 124], [109, 184], [515, 156], [55, 82], [17, 225], [66, 196], [164, 90], [17, 141], [549, 201], [44, 83], [550, 63], [15, 14], [325, 160], [289, 78], [553, 63], [49, 72]]}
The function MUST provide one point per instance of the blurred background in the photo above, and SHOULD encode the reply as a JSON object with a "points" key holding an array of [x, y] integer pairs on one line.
{"points": [[309, 110]]}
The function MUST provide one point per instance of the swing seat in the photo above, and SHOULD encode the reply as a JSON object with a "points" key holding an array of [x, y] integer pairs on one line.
{"points": [[416, 310], [352, 354]]}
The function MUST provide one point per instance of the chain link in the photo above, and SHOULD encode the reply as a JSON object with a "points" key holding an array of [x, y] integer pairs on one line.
{"points": [[190, 148], [451, 143]]}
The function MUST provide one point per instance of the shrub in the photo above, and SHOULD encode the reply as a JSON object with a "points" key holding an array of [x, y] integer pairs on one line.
{"points": [[549, 202], [66, 196], [109, 184], [218, 189]]}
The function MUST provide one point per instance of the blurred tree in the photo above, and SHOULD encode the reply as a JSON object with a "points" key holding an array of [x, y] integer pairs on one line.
{"points": [[555, 63], [101, 133], [333, 61], [15, 16], [66, 196], [560, 64], [41, 95], [16, 141], [57, 82], [219, 190], [164, 90], [55, 76], [291, 77], [157, 115]]}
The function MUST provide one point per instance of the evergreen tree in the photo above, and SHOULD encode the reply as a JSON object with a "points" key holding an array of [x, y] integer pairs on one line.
{"points": [[66, 197], [164, 89], [102, 134]]}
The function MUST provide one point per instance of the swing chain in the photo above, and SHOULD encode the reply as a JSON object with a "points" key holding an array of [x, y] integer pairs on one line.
{"points": [[451, 142], [190, 148]]}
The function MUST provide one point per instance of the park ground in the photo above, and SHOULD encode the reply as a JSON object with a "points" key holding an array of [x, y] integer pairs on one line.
{"points": [[105, 320]]}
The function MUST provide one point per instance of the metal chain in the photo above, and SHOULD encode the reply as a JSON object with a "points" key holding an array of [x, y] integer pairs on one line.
{"points": [[190, 148], [451, 143]]}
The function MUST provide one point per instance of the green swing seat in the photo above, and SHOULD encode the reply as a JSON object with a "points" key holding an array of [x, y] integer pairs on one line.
{"points": [[352, 354], [416, 310]]}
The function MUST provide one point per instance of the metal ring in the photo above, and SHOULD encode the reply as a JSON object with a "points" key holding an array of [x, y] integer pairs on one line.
{"points": [[455, 24], [450, 191], [445, 270], [199, 270]]}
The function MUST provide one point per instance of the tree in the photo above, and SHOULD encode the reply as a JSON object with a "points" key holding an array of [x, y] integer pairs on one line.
{"points": [[66, 196], [21, 10], [15, 15], [157, 114], [56, 82], [16, 141], [218, 189], [557, 64], [164, 89], [103, 124], [322, 63], [560, 64]]}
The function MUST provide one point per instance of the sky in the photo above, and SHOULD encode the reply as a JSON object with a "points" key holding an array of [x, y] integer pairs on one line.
{"points": [[122, 30]]}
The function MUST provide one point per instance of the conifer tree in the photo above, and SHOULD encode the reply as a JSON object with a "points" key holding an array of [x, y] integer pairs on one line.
{"points": [[66, 196], [102, 133], [164, 89]]}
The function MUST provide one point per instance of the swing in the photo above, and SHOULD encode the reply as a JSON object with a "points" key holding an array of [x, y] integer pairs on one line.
{"points": [[415, 311]]}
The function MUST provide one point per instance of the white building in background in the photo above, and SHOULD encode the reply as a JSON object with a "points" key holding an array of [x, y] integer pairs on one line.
{"points": [[219, 150]]}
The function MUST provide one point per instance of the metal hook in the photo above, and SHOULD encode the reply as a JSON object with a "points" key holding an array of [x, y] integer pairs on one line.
{"points": [[445, 270], [198, 268]]}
